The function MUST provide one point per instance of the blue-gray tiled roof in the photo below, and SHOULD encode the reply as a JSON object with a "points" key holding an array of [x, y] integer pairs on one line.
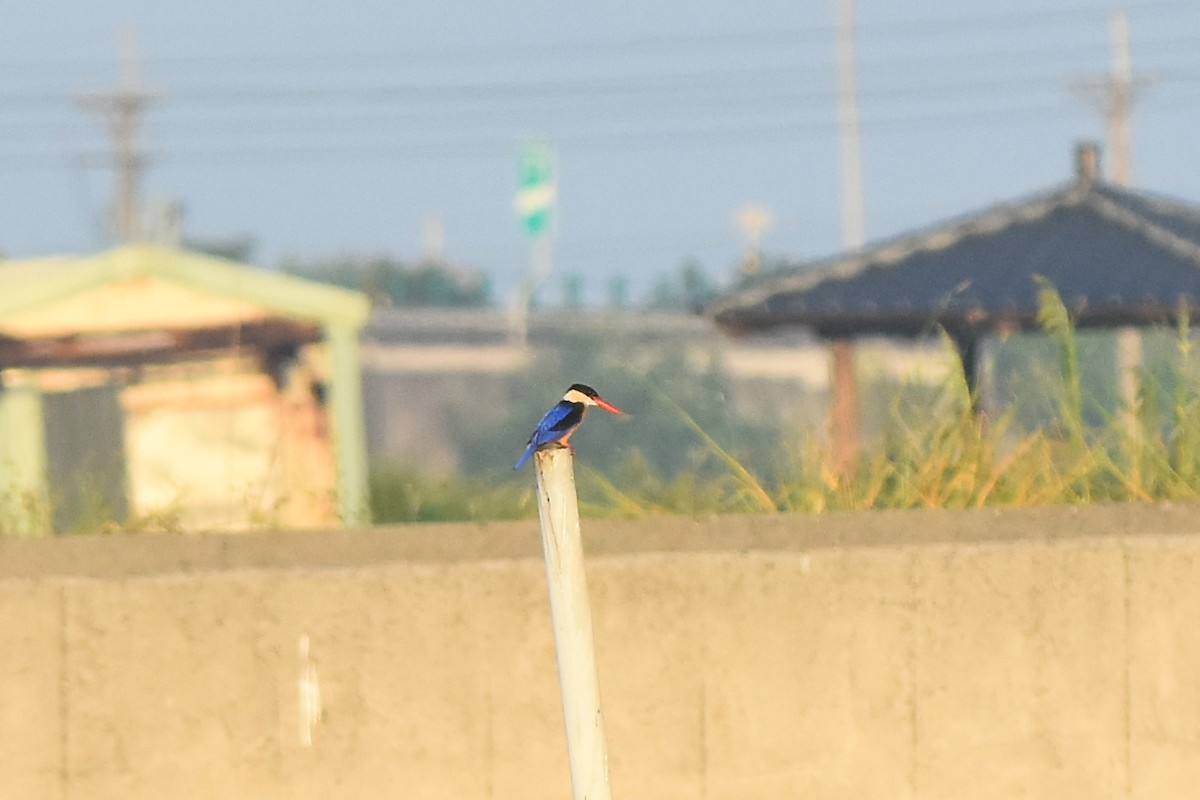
{"points": [[1116, 256]]}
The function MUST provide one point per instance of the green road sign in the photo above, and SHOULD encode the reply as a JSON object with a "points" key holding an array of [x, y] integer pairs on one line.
{"points": [[537, 191]]}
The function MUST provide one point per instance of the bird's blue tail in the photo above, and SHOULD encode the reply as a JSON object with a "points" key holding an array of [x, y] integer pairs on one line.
{"points": [[525, 456]]}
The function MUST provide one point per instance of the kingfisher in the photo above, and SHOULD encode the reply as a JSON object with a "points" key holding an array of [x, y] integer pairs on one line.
{"points": [[563, 419]]}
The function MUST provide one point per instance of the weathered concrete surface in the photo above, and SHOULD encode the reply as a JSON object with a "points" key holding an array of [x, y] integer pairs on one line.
{"points": [[1164, 669], [31, 689], [1036, 654], [1020, 657]]}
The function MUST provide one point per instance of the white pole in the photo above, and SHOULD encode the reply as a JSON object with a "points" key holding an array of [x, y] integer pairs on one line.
{"points": [[541, 263], [849, 138], [1120, 96], [1114, 95], [558, 510], [1129, 361]]}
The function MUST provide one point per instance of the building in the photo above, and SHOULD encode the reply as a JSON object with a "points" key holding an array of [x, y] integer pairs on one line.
{"points": [[1119, 258], [174, 389]]}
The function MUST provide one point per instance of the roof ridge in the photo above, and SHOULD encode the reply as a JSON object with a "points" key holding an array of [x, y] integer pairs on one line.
{"points": [[1138, 223], [937, 236], [1164, 203]]}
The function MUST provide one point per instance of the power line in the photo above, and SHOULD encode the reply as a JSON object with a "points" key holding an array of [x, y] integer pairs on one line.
{"points": [[697, 133], [992, 22], [502, 144], [680, 87], [757, 39], [497, 91], [721, 101], [712, 83], [764, 103]]}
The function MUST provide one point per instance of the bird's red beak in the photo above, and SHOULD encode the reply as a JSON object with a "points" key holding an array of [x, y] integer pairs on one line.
{"points": [[607, 406]]}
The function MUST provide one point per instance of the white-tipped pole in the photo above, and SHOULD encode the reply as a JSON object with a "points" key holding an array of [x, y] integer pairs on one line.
{"points": [[558, 510]]}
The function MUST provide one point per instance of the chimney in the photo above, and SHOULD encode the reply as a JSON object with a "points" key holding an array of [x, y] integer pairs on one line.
{"points": [[1087, 161]]}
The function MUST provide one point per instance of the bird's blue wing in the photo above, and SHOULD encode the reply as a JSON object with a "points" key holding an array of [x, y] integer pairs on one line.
{"points": [[560, 420]]}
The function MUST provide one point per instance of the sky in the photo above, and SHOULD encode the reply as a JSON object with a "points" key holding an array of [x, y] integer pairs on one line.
{"points": [[339, 130]]}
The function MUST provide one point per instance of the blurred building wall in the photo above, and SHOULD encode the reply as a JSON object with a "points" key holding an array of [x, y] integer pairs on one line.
{"points": [[425, 368]]}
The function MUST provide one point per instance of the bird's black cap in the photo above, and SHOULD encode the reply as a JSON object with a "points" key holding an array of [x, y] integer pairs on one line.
{"points": [[579, 387]]}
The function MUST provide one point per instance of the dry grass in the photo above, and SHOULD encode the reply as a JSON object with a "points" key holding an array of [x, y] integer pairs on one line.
{"points": [[939, 453], [934, 452]]}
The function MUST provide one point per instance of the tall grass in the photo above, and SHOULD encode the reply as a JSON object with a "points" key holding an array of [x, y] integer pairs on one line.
{"points": [[956, 458], [935, 451]]}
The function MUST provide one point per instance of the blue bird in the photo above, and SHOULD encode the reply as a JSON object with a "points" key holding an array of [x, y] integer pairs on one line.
{"points": [[563, 419]]}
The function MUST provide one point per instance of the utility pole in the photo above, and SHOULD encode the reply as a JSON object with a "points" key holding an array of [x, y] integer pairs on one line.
{"points": [[843, 411], [1113, 95], [1120, 99], [849, 136], [123, 108]]}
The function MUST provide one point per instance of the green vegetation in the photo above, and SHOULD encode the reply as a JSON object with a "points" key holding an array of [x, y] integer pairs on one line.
{"points": [[651, 387], [682, 451], [25, 513], [401, 494], [617, 474], [385, 280], [690, 288], [389, 282]]}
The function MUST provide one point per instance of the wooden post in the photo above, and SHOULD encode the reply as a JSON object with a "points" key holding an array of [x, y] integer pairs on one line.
{"points": [[1129, 362], [558, 510]]}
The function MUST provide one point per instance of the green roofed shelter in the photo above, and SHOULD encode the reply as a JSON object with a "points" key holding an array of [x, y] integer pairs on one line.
{"points": [[140, 307]]}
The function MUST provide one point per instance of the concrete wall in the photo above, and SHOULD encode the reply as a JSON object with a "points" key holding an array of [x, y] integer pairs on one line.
{"points": [[1032, 654]]}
